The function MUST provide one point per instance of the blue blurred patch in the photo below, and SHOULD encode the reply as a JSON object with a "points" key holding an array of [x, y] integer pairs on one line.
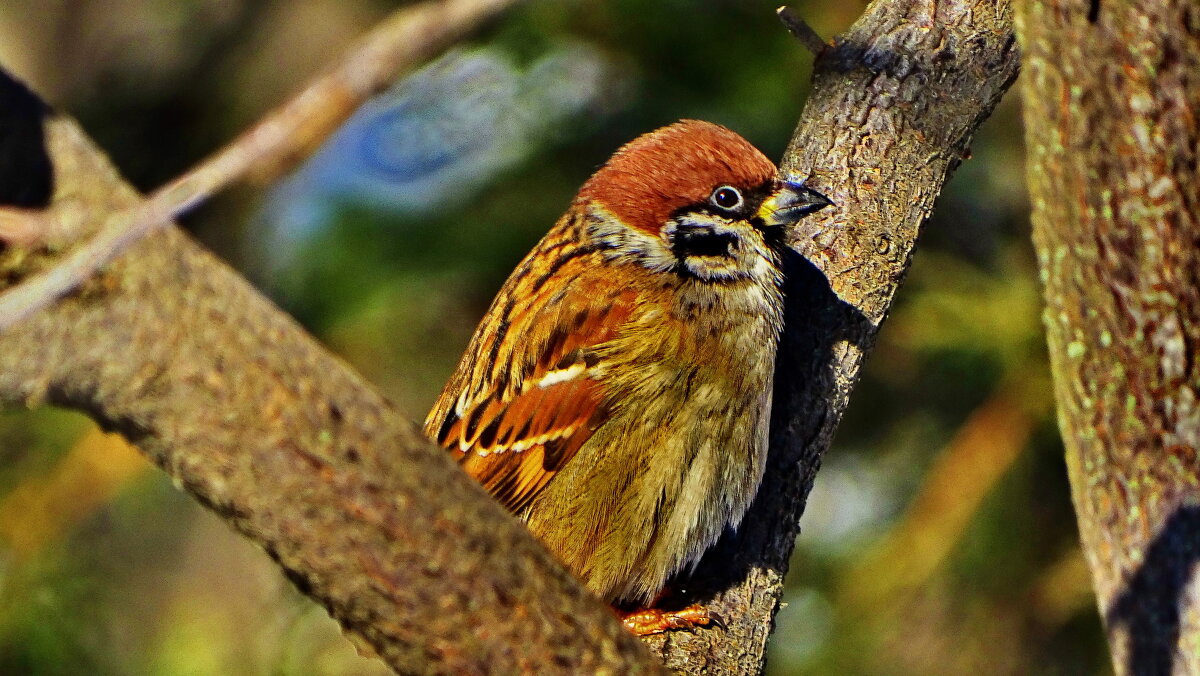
{"points": [[435, 139]]}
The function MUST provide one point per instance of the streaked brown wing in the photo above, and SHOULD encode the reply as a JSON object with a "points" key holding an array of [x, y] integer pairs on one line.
{"points": [[529, 439], [514, 417]]}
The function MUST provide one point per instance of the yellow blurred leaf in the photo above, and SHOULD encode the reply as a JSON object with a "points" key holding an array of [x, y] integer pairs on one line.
{"points": [[963, 475], [41, 509]]}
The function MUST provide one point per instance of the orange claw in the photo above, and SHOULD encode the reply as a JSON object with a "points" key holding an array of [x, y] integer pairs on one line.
{"points": [[645, 621]]}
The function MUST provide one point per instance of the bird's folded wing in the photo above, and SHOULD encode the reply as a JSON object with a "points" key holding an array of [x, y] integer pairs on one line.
{"points": [[541, 400]]}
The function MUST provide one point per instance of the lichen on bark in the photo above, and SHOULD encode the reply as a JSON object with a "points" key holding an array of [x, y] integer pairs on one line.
{"points": [[1112, 99]]}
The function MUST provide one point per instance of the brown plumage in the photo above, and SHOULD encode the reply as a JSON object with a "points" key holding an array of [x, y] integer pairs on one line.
{"points": [[616, 393]]}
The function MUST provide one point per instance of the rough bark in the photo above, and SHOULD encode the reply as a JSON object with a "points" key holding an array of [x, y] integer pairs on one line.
{"points": [[256, 420], [1112, 103]]}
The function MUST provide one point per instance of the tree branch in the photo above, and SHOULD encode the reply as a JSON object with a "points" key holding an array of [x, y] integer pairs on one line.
{"points": [[257, 421]]}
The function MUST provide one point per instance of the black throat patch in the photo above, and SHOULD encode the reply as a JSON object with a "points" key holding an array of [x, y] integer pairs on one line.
{"points": [[702, 240]]}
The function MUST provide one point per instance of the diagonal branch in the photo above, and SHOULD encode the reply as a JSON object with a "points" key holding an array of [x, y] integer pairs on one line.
{"points": [[248, 413]]}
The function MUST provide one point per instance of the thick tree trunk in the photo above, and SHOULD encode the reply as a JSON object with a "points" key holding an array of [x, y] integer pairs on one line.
{"points": [[257, 421], [1112, 115]]}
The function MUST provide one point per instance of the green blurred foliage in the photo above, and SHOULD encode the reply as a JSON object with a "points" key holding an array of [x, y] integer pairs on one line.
{"points": [[150, 583]]}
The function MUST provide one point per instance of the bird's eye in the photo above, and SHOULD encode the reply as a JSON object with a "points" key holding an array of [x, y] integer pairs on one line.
{"points": [[726, 197]]}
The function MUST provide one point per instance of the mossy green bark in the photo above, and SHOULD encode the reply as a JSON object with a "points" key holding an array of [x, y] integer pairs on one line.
{"points": [[1112, 107]]}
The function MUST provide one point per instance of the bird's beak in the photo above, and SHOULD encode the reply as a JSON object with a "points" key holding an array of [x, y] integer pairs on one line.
{"points": [[791, 202]]}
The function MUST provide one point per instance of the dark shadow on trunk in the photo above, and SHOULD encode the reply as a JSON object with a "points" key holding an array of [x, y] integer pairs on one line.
{"points": [[1151, 604], [26, 177], [815, 320]]}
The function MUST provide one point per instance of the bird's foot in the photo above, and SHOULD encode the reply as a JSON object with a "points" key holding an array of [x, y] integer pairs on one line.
{"points": [[646, 621]]}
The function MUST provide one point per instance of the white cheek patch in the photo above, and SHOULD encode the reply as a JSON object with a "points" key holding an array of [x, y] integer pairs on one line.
{"points": [[625, 244], [749, 258]]}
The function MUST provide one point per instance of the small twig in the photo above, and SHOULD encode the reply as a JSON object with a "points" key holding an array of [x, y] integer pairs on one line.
{"points": [[800, 30], [405, 40], [22, 227]]}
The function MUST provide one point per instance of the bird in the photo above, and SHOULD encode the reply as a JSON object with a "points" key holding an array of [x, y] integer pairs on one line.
{"points": [[617, 392]]}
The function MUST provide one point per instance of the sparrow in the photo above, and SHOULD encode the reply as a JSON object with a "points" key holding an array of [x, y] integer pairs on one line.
{"points": [[617, 393]]}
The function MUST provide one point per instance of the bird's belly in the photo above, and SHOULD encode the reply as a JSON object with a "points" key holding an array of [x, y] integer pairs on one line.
{"points": [[656, 485]]}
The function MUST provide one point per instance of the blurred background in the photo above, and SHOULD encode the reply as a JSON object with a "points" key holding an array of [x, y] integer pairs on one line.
{"points": [[939, 538]]}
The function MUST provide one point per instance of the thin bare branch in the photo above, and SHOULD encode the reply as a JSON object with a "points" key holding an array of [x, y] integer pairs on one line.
{"points": [[800, 30], [405, 40]]}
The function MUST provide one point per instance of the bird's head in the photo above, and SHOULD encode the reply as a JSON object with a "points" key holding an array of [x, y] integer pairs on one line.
{"points": [[696, 199]]}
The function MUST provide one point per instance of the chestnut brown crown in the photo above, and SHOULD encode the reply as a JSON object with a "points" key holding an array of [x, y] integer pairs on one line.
{"points": [[654, 175]]}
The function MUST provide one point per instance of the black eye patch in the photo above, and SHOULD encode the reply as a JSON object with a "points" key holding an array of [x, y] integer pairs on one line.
{"points": [[700, 240]]}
